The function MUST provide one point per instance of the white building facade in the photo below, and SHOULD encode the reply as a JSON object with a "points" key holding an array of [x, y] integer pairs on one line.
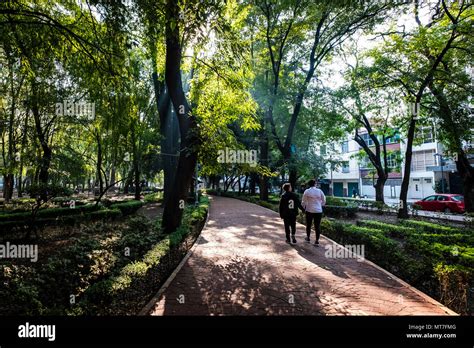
{"points": [[429, 165]]}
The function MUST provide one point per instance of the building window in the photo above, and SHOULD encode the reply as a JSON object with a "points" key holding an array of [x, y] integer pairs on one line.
{"points": [[364, 163], [422, 159], [368, 140], [426, 135], [345, 147], [395, 139], [392, 160], [322, 150], [345, 167]]}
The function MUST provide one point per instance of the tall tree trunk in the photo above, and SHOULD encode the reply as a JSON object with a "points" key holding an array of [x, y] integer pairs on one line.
{"points": [[136, 162], [137, 181], [169, 131], [264, 153], [403, 207], [8, 187], [45, 162], [253, 183], [466, 171], [113, 176], [99, 164], [379, 188], [173, 209]]}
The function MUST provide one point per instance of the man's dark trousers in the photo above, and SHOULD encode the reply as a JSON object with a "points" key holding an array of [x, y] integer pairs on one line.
{"points": [[290, 223], [316, 217]]}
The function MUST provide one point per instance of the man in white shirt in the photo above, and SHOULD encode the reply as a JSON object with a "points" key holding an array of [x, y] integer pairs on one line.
{"points": [[313, 202]]}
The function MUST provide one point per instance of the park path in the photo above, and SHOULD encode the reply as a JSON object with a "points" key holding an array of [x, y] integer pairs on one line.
{"points": [[241, 265]]}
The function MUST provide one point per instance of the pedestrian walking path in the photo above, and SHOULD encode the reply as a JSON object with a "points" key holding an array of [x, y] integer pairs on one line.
{"points": [[241, 265]]}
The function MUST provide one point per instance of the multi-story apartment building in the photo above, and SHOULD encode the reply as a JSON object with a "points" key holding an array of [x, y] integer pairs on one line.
{"points": [[354, 175]]}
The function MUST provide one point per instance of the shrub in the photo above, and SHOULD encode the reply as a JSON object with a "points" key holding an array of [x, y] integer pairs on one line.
{"points": [[127, 208], [337, 211], [396, 231], [428, 226], [137, 279], [153, 197], [443, 271], [106, 214], [335, 201], [50, 191], [268, 205], [456, 283]]}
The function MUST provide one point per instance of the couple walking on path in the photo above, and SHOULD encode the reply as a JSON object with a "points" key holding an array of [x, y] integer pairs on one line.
{"points": [[311, 204]]}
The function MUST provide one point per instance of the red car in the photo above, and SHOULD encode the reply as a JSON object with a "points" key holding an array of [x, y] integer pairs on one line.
{"points": [[448, 203]]}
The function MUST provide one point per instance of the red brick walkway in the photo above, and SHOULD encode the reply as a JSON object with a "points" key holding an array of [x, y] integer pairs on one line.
{"points": [[241, 265]]}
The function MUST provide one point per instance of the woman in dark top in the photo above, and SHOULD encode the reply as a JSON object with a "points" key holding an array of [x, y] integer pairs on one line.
{"points": [[289, 204]]}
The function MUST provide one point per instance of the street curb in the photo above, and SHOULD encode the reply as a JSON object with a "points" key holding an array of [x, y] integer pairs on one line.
{"points": [[147, 308]]}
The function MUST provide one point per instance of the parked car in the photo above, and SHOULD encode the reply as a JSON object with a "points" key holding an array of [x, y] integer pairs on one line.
{"points": [[448, 203]]}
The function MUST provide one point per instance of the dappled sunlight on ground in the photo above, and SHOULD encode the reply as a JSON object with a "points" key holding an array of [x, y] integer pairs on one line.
{"points": [[242, 266]]}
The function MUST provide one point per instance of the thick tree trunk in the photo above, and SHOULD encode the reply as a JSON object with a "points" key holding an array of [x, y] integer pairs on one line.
{"points": [[99, 165], [253, 183], [174, 204], [8, 187], [137, 182], [169, 131], [20, 183], [403, 207], [45, 162], [379, 188], [263, 180], [466, 171]]}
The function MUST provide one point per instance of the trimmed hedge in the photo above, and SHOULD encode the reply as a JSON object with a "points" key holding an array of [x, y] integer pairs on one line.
{"points": [[443, 271], [134, 280], [396, 231], [50, 212], [337, 211], [153, 197], [106, 214], [428, 226], [95, 269], [455, 284], [61, 220], [127, 208]]}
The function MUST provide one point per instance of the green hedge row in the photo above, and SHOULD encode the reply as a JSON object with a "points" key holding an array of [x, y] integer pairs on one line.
{"points": [[153, 197], [340, 211], [127, 208], [396, 231], [428, 226], [138, 279], [49, 212], [45, 287], [402, 232], [65, 220], [443, 271]]}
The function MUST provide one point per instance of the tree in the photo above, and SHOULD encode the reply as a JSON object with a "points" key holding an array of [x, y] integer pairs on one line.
{"points": [[285, 27], [398, 63]]}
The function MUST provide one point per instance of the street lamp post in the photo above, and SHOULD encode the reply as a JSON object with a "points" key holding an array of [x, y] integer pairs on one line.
{"points": [[442, 170]]}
